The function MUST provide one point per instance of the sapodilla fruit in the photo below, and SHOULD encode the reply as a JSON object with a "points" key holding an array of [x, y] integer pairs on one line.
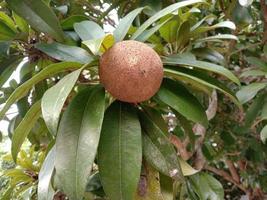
{"points": [[131, 71]]}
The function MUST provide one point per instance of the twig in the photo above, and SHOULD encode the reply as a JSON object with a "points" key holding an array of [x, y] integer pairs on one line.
{"points": [[264, 13], [181, 148], [225, 176], [233, 171]]}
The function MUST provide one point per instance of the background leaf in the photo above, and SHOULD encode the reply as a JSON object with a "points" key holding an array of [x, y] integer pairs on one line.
{"points": [[24, 128]]}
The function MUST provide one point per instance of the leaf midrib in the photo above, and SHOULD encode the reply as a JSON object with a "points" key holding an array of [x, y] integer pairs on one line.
{"points": [[77, 147]]}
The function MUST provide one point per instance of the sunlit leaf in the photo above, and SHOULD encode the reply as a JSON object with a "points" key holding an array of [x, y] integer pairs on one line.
{"points": [[24, 128]]}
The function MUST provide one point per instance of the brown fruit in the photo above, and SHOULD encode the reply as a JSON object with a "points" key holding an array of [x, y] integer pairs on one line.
{"points": [[131, 71]]}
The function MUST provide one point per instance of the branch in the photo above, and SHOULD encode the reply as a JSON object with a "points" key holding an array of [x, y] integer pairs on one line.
{"points": [[200, 130], [181, 148], [233, 171], [225, 176], [264, 13]]}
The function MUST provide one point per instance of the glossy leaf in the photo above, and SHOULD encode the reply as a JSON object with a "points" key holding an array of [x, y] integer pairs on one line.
{"points": [[39, 16], [162, 13], [197, 77], [65, 52], [89, 30], [6, 33], [246, 93], [23, 89], [24, 128], [217, 38], [224, 24], [45, 190], [207, 187], [179, 98], [157, 149], [120, 151], [179, 60], [21, 23], [8, 21], [54, 99], [77, 140], [125, 23], [100, 45]]}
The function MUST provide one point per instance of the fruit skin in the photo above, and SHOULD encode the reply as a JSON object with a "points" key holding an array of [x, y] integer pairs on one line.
{"points": [[131, 71]]}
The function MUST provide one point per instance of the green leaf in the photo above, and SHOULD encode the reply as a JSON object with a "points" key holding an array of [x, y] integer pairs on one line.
{"points": [[8, 21], [180, 99], [158, 150], [202, 29], [246, 93], [217, 38], [45, 189], [24, 128], [210, 54], [147, 34], [162, 13], [21, 23], [198, 77], [179, 60], [65, 52], [5, 32], [125, 24], [89, 30], [169, 31], [8, 65], [207, 187], [100, 44], [254, 110], [39, 16], [23, 89], [77, 140], [253, 73], [120, 151], [183, 36], [8, 193], [256, 62], [68, 23], [54, 99]]}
